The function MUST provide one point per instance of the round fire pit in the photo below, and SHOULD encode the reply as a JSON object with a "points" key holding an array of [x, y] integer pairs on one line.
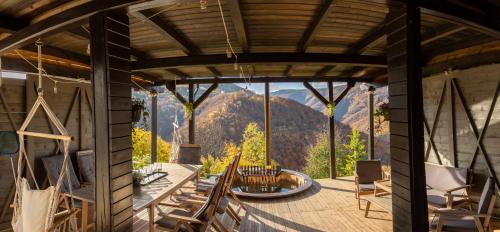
{"points": [[283, 184]]}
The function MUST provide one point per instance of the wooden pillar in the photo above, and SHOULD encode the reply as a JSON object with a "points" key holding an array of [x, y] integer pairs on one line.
{"points": [[371, 124], [406, 109], [154, 125], [191, 125], [267, 123], [452, 122], [111, 84], [331, 135]]}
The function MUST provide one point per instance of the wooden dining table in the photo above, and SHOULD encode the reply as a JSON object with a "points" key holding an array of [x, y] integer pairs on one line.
{"points": [[147, 196]]}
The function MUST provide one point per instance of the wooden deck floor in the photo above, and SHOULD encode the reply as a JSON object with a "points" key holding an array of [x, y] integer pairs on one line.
{"points": [[328, 206]]}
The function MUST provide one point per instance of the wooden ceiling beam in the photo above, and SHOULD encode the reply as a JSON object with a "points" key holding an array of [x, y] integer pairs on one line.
{"points": [[10, 25], [60, 20], [487, 22], [238, 23], [178, 73], [441, 32], [157, 4], [167, 31], [319, 20], [261, 58], [235, 80]]}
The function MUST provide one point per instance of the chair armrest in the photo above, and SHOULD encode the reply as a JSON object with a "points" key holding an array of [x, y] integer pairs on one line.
{"points": [[457, 188], [457, 213]]}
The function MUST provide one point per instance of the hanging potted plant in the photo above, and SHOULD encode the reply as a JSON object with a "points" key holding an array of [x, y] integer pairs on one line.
{"points": [[383, 112], [188, 110], [331, 109], [137, 109]]}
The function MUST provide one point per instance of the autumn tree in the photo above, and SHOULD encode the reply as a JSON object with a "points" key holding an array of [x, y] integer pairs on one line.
{"points": [[141, 153]]}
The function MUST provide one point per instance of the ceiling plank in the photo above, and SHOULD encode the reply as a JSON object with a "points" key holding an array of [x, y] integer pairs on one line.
{"points": [[308, 37], [261, 58], [67, 17]]}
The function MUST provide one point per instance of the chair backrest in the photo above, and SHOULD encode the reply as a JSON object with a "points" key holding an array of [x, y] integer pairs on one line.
{"points": [[234, 171], [368, 171], [208, 209], [86, 165], [485, 199], [53, 165], [9, 143], [442, 178]]}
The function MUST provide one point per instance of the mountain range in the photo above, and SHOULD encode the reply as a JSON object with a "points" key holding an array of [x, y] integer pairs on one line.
{"points": [[297, 119]]}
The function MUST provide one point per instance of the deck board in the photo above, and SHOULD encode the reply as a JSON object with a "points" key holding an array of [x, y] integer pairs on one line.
{"points": [[328, 206]]}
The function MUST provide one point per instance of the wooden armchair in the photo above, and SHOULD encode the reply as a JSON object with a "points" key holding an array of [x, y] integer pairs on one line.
{"points": [[201, 220], [451, 220], [447, 187], [367, 172]]}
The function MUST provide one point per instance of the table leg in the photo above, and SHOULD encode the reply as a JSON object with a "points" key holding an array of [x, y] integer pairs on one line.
{"points": [[368, 203], [85, 215], [151, 211]]}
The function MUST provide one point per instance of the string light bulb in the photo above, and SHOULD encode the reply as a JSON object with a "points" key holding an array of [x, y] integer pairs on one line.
{"points": [[203, 4], [88, 49], [235, 65], [229, 53], [55, 87]]}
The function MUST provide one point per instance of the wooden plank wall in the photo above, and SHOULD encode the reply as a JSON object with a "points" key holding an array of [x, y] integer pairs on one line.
{"points": [[13, 91], [71, 106], [406, 108], [456, 146], [112, 90]]}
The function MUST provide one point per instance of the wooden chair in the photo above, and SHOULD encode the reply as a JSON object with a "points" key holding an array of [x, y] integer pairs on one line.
{"points": [[454, 220], [201, 220], [367, 172], [189, 200]]}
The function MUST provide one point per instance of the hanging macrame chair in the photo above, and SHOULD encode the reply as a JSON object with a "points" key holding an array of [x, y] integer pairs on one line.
{"points": [[176, 136], [38, 210]]}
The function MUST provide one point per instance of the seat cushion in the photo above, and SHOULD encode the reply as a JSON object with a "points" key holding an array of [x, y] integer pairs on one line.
{"points": [[366, 187], [452, 224], [443, 177], [170, 223], [437, 199]]}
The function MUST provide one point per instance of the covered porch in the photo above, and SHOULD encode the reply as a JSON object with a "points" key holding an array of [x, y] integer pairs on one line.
{"points": [[439, 59]]}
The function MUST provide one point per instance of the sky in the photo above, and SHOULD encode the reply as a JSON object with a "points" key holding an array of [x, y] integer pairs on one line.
{"points": [[259, 87]]}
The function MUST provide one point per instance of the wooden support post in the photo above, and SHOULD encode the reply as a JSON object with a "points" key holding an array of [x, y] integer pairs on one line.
{"points": [[111, 84], [154, 125], [331, 135], [191, 119], [409, 196], [267, 123], [451, 122], [371, 124]]}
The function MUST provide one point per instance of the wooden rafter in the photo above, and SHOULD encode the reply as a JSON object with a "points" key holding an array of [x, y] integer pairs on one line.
{"points": [[441, 32], [319, 20], [238, 23], [178, 73], [259, 58], [167, 31], [58, 21], [172, 88], [316, 93], [485, 22], [280, 79]]}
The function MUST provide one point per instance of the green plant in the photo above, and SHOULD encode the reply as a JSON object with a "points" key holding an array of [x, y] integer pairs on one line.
{"points": [[188, 110], [383, 112], [137, 177], [331, 109]]}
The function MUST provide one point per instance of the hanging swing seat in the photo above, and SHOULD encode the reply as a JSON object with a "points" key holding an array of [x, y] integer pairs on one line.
{"points": [[39, 210]]}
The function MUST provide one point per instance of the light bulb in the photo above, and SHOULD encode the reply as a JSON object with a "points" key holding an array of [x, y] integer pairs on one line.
{"points": [[235, 66], [55, 87], [203, 4], [229, 53]]}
